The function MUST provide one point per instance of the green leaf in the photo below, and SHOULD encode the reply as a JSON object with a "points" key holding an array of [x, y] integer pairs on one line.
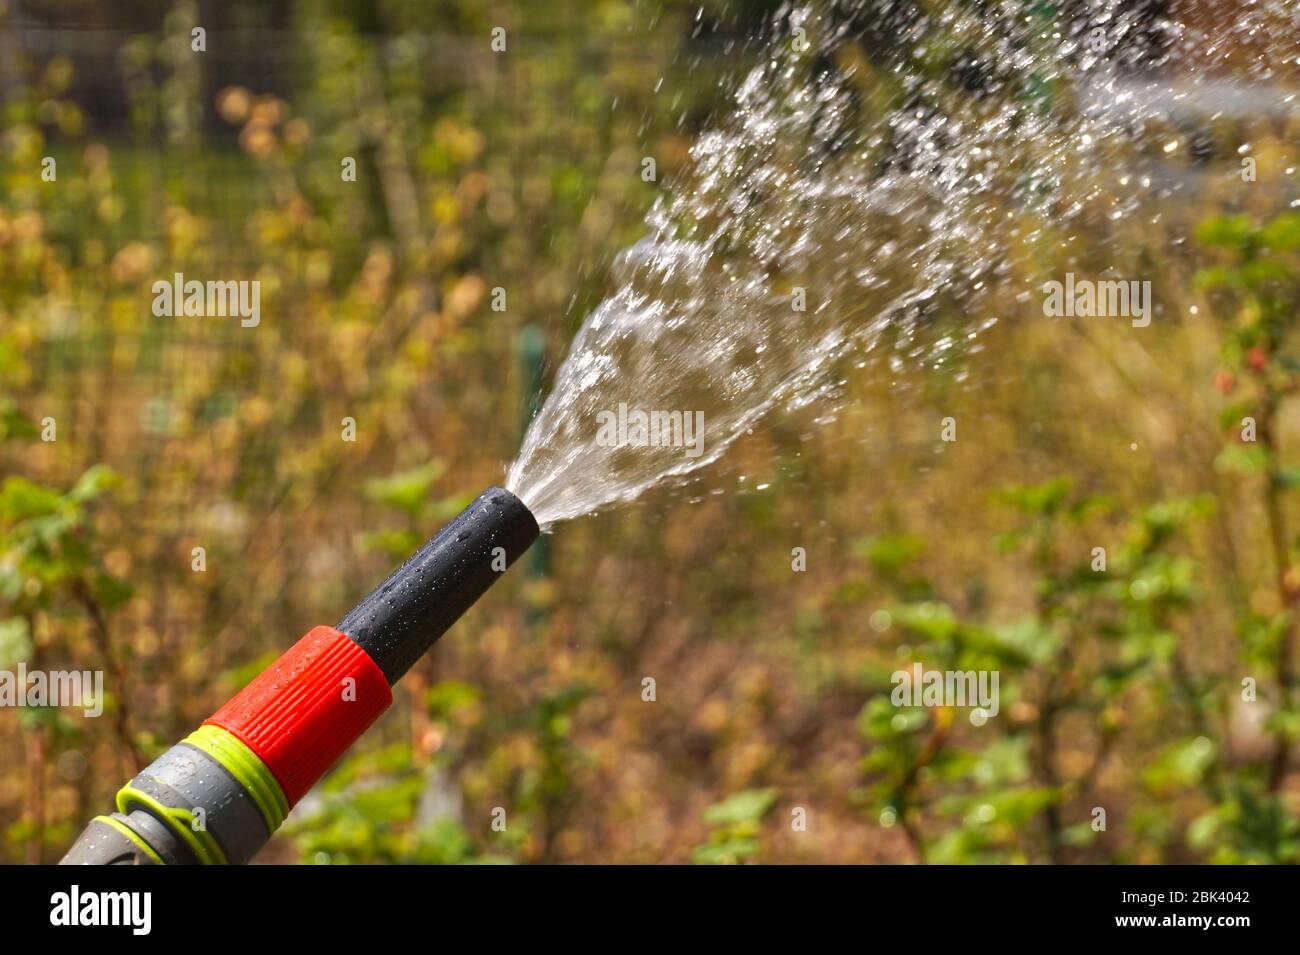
{"points": [[1041, 499], [15, 643], [1230, 417], [1283, 233], [110, 591], [395, 544], [95, 481], [11, 583], [889, 553], [14, 424], [933, 621], [449, 696], [21, 499], [1027, 640], [1215, 276], [731, 852], [1241, 459], [407, 491], [1260, 273], [1181, 765], [748, 806], [1226, 231], [1204, 830], [444, 509]]}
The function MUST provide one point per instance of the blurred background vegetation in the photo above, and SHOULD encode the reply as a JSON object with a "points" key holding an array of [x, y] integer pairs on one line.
{"points": [[1121, 690]]}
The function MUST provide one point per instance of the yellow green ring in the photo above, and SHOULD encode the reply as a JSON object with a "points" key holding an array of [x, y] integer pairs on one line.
{"points": [[133, 836], [251, 773], [181, 821]]}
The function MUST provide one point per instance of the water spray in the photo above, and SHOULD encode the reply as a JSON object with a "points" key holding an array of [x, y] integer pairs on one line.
{"points": [[218, 795]]}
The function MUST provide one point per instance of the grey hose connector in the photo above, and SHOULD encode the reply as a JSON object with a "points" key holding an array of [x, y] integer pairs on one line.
{"points": [[223, 823]]}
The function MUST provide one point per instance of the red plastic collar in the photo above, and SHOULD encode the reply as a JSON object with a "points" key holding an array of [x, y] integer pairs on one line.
{"points": [[301, 713]]}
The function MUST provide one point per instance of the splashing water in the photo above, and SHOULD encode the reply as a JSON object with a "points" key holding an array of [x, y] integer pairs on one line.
{"points": [[853, 189]]}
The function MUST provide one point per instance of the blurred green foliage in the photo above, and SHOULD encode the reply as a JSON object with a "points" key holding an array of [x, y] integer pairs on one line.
{"points": [[735, 825]]}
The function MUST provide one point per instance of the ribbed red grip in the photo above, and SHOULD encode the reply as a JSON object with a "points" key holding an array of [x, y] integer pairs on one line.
{"points": [[301, 713]]}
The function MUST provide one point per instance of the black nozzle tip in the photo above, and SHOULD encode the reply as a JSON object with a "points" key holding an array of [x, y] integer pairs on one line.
{"points": [[408, 612]]}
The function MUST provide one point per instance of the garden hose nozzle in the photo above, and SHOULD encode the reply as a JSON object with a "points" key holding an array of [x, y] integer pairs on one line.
{"points": [[217, 796]]}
